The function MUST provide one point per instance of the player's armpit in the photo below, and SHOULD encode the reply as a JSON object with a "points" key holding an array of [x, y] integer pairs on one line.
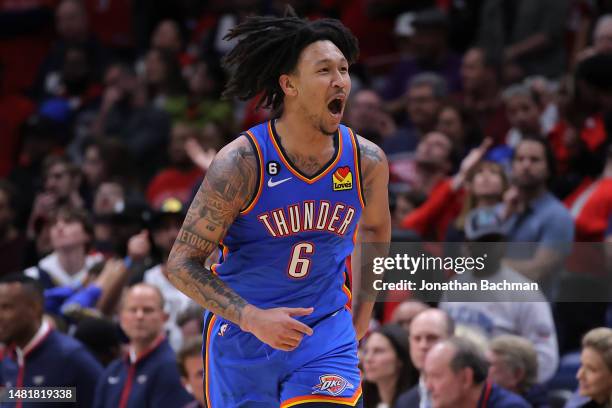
{"points": [[228, 186]]}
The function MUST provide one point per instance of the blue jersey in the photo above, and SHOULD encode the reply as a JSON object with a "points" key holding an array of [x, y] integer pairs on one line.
{"points": [[291, 246]]}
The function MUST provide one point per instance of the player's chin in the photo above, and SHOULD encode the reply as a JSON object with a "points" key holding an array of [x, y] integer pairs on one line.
{"points": [[331, 124]]}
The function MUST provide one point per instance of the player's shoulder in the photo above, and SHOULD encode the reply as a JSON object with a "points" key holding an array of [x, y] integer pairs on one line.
{"points": [[372, 157], [239, 154]]}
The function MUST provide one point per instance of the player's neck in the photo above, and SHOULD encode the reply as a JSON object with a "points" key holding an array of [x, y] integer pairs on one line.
{"points": [[298, 136]]}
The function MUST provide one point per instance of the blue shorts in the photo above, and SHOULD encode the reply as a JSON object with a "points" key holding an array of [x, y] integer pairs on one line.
{"points": [[241, 371]]}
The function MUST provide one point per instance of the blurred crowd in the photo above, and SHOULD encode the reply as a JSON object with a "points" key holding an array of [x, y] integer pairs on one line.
{"points": [[495, 117]]}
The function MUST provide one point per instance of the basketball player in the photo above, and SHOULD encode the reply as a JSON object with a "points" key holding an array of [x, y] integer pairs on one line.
{"points": [[285, 201]]}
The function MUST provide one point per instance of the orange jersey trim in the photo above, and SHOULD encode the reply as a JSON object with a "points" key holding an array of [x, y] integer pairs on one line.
{"points": [[261, 175], [357, 167], [349, 401], [292, 169], [207, 371]]}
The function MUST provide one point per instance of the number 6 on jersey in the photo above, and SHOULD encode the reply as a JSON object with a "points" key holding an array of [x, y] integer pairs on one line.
{"points": [[299, 266]]}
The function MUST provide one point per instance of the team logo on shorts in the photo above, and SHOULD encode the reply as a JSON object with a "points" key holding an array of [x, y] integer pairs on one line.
{"points": [[331, 384], [223, 329], [342, 179]]}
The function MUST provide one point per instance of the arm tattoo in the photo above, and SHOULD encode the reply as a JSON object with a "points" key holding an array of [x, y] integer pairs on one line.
{"points": [[229, 184], [371, 156]]}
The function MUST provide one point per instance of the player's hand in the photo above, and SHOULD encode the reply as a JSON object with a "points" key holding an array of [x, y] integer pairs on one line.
{"points": [[276, 327]]}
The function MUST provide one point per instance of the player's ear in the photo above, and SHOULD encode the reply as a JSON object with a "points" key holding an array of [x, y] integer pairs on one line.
{"points": [[287, 84]]}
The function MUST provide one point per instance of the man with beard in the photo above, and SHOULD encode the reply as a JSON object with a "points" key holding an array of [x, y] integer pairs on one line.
{"points": [[534, 214]]}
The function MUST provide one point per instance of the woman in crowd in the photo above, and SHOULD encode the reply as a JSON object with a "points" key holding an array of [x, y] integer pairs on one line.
{"points": [[388, 370]]}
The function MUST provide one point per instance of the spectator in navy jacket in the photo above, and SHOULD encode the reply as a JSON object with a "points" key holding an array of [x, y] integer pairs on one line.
{"points": [[148, 376], [37, 355], [456, 377]]}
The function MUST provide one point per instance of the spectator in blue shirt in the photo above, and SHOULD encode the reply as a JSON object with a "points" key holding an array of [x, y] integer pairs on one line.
{"points": [[148, 376], [535, 216], [456, 377], [38, 355]]}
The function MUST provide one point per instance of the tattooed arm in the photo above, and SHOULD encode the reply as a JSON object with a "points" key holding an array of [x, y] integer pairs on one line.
{"points": [[374, 229], [229, 184]]}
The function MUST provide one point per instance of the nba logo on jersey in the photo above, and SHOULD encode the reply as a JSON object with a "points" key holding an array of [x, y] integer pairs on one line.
{"points": [[342, 179], [331, 384]]}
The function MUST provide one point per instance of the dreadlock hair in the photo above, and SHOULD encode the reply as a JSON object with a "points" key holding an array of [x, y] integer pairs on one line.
{"points": [[271, 46]]}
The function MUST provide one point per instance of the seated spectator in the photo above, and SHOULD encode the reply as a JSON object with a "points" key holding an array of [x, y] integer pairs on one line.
{"points": [[205, 105], [61, 188], [167, 37], [602, 38], [73, 28], [595, 373], [13, 244], [484, 185], [426, 329], [431, 163], [165, 226], [179, 178], [40, 356], [523, 107], [166, 89], [530, 44], [387, 369], [190, 321], [431, 54], [458, 123], [480, 74], [456, 376], [432, 218], [192, 370], [126, 115], [425, 94], [513, 365], [365, 115], [602, 35], [71, 233], [103, 160], [535, 215], [148, 375], [76, 87]]}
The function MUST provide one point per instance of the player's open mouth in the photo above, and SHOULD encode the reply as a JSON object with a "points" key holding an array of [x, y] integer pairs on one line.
{"points": [[335, 106]]}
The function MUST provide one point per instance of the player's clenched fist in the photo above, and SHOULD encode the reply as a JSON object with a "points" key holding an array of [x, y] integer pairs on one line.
{"points": [[276, 327]]}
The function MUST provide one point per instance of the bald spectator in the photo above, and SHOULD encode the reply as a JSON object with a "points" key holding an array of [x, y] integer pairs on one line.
{"points": [[456, 377], [148, 375], [405, 313], [513, 365], [426, 329], [41, 356]]}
